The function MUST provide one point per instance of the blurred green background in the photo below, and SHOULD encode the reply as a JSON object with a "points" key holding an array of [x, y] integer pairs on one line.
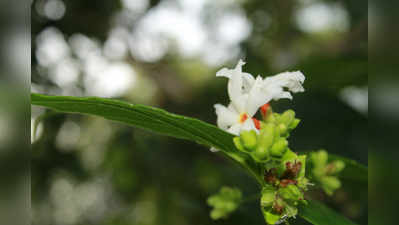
{"points": [[87, 170]]}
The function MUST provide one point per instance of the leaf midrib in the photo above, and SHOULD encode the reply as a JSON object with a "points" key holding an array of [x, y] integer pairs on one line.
{"points": [[128, 108]]}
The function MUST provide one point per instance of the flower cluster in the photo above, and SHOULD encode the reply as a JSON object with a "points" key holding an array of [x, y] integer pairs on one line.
{"points": [[248, 94], [284, 181], [263, 144], [325, 173]]}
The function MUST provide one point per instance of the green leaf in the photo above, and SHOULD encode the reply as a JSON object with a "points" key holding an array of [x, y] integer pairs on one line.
{"points": [[353, 170], [152, 119], [146, 117], [319, 214]]}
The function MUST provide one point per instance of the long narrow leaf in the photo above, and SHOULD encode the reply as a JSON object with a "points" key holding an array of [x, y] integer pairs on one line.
{"points": [[319, 214], [152, 119], [146, 117]]}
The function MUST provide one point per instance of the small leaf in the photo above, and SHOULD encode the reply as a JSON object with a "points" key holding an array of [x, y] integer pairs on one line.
{"points": [[319, 214]]}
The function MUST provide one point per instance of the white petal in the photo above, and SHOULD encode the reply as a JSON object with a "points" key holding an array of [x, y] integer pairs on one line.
{"points": [[235, 129], [295, 81], [275, 85], [239, 85], [248, 82], [224, 72], [258, 96], [284, 94], [240, 103], [226, 116], [291, 80], [231, 107], [239, 65], [234, 87]]}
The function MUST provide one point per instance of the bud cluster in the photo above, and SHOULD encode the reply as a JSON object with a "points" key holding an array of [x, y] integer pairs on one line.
{"points": [[271, 142], [284, 171], [284, 186], [324, 172], [225, 202]]}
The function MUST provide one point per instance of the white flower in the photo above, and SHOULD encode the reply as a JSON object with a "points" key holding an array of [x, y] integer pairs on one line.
{"points": [[245, 97], [247, 94]]}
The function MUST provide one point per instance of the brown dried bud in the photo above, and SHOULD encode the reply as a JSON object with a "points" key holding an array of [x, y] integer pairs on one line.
{"points": [[292, 170], [278, 208], [286, 182], [270, 176]]}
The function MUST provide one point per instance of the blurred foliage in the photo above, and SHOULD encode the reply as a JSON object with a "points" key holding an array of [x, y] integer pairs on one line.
{"points": [[106, 173]]}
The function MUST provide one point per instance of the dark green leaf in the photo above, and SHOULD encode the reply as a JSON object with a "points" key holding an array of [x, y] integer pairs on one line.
{"points": [[149, 118], [319, 214]]}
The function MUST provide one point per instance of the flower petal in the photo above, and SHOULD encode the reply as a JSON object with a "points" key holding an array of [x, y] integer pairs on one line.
{"points": [[257, 97], [234, 86], [226, 72], [235, 129], [226, 116], [248, 82], [292, 80]]}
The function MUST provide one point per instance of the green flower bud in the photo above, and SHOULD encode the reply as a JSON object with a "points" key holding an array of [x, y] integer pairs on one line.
{"points": [[290, 210], [237, 143], [279, 148], [294, 124], [217, 214], [318, 172], [323, 173], [319, 158], [289, 156], [266, 136], [336, 167], [330, 184], [287, 117], [265, 141], [283, 129], [224, 202], [270, 217], [249, 140], [268, 195], [229, 206], [291, 192], [271, 118], [261, 154]]}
